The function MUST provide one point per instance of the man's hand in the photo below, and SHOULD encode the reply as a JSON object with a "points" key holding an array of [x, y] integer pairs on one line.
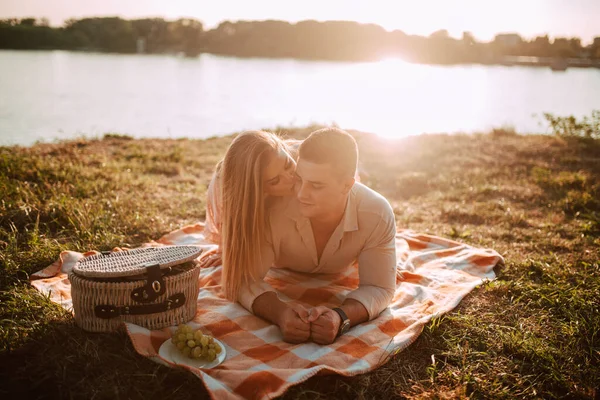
{"points": [[294, 325], [324, 324]]}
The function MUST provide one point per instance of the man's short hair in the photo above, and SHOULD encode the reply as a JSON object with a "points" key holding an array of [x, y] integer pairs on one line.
{"points": [[331, 146]]}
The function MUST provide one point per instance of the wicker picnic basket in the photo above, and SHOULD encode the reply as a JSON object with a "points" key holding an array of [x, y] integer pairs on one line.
{"points": [[153, 287]]}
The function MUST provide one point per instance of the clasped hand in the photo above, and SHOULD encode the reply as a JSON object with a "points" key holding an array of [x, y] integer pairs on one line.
{"points": [[299, 324]]}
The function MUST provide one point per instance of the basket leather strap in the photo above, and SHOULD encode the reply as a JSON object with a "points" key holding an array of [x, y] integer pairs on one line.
{"points": [[107, 311], [154, 287]]}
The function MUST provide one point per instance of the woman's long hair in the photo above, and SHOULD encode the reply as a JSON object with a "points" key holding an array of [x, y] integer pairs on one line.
{"points": [[244, 217]]}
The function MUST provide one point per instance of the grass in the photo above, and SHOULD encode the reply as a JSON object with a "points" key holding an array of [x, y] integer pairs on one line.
{"points": [[532, 333]]}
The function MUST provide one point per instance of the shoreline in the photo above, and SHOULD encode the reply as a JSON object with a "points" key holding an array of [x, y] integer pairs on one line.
{"points": [[500, 131], [554, 63]]}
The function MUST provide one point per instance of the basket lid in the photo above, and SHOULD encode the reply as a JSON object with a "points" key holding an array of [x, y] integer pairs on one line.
{"points": [[134, 262]]}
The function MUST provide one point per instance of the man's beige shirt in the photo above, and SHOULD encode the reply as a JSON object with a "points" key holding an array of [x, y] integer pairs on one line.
{"points": [[366, 233]]}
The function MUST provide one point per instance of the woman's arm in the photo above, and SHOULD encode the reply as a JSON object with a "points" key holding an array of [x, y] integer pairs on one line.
{"points": [[212, 227]]}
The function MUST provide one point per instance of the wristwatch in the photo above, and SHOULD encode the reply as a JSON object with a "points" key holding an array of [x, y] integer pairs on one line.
{"points": [[345, 325]]}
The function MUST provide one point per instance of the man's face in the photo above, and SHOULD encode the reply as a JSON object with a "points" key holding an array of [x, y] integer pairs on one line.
{"points": [[320, 190]]}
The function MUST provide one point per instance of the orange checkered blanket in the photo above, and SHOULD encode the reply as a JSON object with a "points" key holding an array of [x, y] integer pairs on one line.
{"points": [[434, 274]]}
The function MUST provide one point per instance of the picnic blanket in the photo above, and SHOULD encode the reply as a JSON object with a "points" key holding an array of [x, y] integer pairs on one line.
{"points": [[434, 275]]}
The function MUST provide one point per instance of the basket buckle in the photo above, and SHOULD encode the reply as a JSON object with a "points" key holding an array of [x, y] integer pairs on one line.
{"points": [[154, 287]]}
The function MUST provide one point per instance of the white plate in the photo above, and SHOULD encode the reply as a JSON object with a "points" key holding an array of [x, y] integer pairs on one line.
{"points": [[169, 352]]}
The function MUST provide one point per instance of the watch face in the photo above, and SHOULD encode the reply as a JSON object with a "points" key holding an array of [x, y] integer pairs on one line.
{"points": [[345, 327]]}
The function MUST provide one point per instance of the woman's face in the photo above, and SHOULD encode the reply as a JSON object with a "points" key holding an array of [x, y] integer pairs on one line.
{"points": [[279, 175]]}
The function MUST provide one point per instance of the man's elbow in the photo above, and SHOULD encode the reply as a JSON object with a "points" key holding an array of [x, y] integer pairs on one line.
{"points": [[382, 301], [387, 296]]}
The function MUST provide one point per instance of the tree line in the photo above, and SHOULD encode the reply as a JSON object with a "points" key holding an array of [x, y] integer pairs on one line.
{"points": [[332, 40]]}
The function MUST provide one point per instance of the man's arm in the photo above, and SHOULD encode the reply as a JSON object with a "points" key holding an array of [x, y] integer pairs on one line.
{"points": [[356, 312], [377, 283], [377, 267]]}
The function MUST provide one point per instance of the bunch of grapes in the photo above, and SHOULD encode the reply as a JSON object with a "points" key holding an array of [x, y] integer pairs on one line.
{"points": [[195, 344]]}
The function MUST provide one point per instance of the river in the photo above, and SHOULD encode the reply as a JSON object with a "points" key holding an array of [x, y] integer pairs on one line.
{"points": [[49, 95]]}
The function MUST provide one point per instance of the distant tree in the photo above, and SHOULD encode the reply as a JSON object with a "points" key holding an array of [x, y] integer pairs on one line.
{"points": [[440, 34], [468, 39], [10, 21], [27, 22], [186, 35], [564, 47], [108, 34], [309, 39], [540, 47], [595, 48], [575, 45]]}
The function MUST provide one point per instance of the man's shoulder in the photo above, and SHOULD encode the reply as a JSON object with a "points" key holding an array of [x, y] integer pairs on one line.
{"points": [[374, 215], [369, 202]]}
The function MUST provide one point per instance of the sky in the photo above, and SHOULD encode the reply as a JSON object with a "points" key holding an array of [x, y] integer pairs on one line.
{"points": [[483, 18]]}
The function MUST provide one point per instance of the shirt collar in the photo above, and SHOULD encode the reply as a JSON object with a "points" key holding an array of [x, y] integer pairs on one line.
{"points": [[350, 214]]}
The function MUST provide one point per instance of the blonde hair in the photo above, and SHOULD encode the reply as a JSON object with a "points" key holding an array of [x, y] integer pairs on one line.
{"points": [[244, 217]]}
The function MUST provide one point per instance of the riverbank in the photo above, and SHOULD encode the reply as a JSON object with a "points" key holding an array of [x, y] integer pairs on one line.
{"points": [[530, 333], [554, 63]]}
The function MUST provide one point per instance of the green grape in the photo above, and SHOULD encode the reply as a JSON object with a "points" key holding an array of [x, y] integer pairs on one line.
{"points": [[194, 344], [197, 352], [211, 355]]}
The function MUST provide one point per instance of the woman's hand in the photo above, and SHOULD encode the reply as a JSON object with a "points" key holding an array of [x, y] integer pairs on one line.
{"points": [[291, 318], [212, 258], [293, 323]]}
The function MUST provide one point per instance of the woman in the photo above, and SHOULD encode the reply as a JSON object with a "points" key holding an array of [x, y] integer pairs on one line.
{"points": [[257, 167]]}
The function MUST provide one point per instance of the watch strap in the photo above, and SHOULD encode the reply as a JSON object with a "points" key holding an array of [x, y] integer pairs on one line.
{"points": [[345, 320]]}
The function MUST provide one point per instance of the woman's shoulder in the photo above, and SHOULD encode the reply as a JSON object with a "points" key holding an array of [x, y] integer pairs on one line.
{"points": [[216, 176]]}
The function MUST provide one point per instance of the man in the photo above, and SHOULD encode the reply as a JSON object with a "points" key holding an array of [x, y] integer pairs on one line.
{"points": [[331, 222]]}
